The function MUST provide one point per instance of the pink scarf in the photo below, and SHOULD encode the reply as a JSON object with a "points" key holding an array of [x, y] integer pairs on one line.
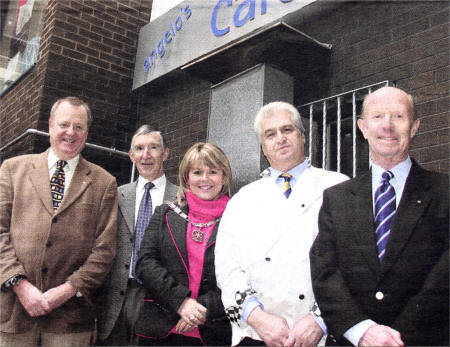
{"points": [[200, 211]]}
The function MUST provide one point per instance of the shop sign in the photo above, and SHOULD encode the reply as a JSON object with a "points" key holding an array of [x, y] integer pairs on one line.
{"points": [[197, 27]]}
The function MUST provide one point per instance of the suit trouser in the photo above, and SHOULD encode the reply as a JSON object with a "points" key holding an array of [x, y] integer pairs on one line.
{"points": [[122, 334], [36, 337]]}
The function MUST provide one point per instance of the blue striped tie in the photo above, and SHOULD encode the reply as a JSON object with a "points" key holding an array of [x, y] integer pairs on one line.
{"points": [[384, 212], [143, 219], [286, 185]]}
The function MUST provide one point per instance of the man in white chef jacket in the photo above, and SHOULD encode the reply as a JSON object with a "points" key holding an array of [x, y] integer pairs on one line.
{"points": [[263, 243]]}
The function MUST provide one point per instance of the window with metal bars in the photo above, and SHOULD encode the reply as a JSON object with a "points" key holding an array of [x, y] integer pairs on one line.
{"points": [[333, 140]]}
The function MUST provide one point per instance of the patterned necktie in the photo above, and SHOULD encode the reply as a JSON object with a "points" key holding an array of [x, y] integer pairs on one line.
{"points": [[57, 184], [286, 186], [384, 212], [143, 218]]}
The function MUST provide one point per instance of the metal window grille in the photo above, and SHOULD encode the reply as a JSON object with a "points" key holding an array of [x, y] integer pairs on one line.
{"points": [[333, 140]]}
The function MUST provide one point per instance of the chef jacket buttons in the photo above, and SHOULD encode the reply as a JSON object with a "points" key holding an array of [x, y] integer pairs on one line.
{"points": [[379, 295]]}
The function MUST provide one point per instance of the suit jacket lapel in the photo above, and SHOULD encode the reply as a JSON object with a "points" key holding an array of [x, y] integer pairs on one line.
{"points": [[40, 180], [127, 205], [80, 181], [179, 226], [412, 205], [170, 192], [364, 231]]}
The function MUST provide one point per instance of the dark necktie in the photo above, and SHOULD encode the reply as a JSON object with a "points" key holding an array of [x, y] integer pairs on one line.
{"points": [[384, 212], [143, 218], [57, 184], [286, 189]]}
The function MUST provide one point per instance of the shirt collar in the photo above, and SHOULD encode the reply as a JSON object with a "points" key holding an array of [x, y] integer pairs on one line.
{"points": [[158, 182], [53, 159], [296, 171], [400, 171]]}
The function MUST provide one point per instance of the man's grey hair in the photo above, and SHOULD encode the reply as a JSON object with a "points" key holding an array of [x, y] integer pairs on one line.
{"points": [[273, 108], [147, 129]]}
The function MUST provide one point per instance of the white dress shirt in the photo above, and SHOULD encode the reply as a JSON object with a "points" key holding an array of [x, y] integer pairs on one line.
{"points": [[157, 195], [69, 169]]}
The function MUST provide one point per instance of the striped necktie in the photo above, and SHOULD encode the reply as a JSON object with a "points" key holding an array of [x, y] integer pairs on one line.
{"points": [[57, 182], [143, 219], [384, 212], [286, 189]]}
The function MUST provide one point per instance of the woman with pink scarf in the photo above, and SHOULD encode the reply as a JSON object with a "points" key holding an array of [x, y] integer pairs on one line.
{"points": [[182, 304]]}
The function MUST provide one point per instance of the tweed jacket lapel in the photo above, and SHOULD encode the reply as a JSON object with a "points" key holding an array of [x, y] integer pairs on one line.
{"points": [[412, 206], [80, 181], [127, 204], [178, 226], [363, 226], [40, 180]]}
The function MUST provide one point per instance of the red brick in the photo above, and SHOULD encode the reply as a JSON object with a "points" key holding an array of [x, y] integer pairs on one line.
{"points": [[410, 29], [435, 33], [92, 19], [433, 122], [78, 22], [425, 139], [112, 43], [442, 74], [103, 15], [110, 58], [65, 26], [101, 31], [418, 81], [114, 28], [443, 134], [77, 38], [434, 91], [123, 39], [432, 63], [434, 153], [90, 35], [73, 54], [99, 46], [440, 18], [442, 104]]}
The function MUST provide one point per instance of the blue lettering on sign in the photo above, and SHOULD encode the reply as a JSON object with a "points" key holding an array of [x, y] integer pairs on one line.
{"points": [[249, 16], [216, 31], [245, 12], [160, 49]]}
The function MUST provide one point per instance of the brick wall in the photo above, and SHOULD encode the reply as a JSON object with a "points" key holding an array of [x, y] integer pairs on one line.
{"points": [[404, 42], [181, 113], [87, 50]]}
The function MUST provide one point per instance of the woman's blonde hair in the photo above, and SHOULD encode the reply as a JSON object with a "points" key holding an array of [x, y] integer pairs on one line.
{"points": [[209, 155]]}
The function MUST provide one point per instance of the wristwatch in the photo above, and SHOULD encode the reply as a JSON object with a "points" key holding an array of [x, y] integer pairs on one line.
{"points": [[13, 281]]}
